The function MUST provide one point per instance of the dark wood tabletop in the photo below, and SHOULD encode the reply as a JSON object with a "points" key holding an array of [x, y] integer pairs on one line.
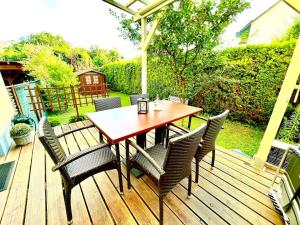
{"points": [[121, 123]]}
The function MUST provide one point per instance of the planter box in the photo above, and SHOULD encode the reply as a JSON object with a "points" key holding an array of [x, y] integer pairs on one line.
{"points": [[25, 139]]}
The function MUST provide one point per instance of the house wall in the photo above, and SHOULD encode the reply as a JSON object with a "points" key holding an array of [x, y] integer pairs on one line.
{"points": [[273, 24], [6, 114]]}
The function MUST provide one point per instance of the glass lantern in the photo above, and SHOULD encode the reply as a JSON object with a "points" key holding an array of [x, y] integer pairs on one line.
{"points": [[143, 105]]}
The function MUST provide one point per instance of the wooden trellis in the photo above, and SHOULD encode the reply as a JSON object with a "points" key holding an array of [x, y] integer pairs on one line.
{"points": [[63, 97]]}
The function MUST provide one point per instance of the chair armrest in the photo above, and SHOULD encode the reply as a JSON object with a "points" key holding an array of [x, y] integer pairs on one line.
{"points": [[147, 156], [178, 127], [78, 155], [74, 130]]}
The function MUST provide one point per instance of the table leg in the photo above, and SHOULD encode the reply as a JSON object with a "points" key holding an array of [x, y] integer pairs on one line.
{"points": [[141, 140], [160, 134]]}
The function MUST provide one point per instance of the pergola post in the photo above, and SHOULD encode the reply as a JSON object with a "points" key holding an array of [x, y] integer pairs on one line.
{"points": [[282, 102], [144, 54]]}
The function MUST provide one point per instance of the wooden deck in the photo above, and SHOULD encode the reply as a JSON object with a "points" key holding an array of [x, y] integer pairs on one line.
{"points": [[231, 193]]}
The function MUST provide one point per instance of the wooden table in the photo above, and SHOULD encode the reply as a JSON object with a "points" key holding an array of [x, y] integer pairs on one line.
{"points": [[120, 124]]}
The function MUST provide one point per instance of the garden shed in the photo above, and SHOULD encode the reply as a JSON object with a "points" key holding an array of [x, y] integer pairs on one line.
{"points": [[92, 82], [12, 73]]}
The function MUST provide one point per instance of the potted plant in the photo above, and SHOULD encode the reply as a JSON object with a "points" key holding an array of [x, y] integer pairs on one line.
{"points": [[22, 133]]}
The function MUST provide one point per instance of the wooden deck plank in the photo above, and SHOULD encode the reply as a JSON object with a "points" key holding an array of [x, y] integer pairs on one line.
{"points": [[36, 201], [251, 203], [56, 211], [13, 155], [16, 202], [206, 171], [224, 194], [241, 186], [95, 198], [146, 194], [121, 214], [79, 210], [238, 175], [138, 208]]}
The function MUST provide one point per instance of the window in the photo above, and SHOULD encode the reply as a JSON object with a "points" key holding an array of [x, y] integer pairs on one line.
{"points": [[96, 80], [88, 80]]}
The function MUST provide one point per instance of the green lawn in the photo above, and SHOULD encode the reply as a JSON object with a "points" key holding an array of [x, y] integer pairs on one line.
{"points": [[235, 135]]}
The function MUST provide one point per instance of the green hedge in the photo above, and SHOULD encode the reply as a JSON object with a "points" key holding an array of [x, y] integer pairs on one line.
{"points": [[247, 81], [125, 76]]}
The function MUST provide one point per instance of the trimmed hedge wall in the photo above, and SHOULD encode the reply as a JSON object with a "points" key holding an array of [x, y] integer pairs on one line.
{"points": [[247, 81]]}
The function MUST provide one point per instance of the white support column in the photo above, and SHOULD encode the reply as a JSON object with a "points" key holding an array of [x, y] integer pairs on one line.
{"points": [[144, 55], [280, 107]]}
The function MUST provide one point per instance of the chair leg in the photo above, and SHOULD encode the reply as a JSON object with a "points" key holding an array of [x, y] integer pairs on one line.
{"points": [[190, 122], [197, 171], [101, 137], [67, 198], [128, 165], [161, 210], [190, 186], [213, 157], [119, 167], [167, 136]]}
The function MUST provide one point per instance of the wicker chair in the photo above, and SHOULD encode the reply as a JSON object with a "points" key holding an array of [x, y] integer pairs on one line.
{"points": [[102, 104], [134, 98], [207, 144], [167, 167], [77, 167]]}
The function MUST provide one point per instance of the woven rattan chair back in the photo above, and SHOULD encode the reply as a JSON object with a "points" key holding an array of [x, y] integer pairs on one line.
{"points": [[180, 153], [107, 103], [134, 98], [214, 125], [51, 143]]}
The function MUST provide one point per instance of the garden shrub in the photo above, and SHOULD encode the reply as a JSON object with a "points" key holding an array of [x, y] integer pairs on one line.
{"points": [[54, 122], [73, 119], [246, 81]]}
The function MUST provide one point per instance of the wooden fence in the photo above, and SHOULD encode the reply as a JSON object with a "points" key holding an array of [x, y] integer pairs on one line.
{"points": [[64, 97]]}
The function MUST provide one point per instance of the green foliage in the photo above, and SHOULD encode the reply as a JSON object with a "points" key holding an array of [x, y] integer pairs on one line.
{"points": [[77, 58], [46, 67], [246, 81], [188, 31], [80, 59], [290, 130], [54, 122], [20, 129], [73, 119], [293, 32], [101, 56]]}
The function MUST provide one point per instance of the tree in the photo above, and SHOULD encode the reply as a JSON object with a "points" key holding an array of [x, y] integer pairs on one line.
{"points": [[189, 31], [61, 48], [80, 59], [46, 67], [293, 32], [101, 56]]}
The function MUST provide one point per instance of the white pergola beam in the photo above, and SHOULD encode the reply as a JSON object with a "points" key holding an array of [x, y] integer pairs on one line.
{"points": [[282, 102], [144, 55], [151, 32], [152, 8], [131, 2], [120, 6]]}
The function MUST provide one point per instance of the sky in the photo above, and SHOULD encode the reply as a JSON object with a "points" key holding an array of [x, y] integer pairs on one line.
{"points": [[87, 22]]}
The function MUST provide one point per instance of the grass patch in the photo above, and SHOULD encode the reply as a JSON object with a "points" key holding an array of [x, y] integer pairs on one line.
{"points": [[63, 117], [235, 135]]}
